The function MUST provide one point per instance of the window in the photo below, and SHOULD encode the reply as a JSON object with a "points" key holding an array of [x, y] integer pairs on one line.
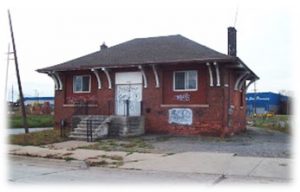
{"points": [[81, 83], [185, 81]]}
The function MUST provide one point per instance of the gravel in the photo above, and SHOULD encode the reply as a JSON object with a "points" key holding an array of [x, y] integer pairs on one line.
{"points": [[254, 142]]}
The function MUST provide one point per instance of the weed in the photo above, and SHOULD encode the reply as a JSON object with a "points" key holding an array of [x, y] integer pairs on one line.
{"points": [[37, 138], [168, 154], [97, 163], [162, 138], [69, 158], [129, 145], [15, 121], [116, 157]]}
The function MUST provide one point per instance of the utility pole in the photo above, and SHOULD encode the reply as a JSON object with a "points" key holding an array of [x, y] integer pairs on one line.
{"points": [[255, 98], [6, 75], [12, 93], [18, 76]]}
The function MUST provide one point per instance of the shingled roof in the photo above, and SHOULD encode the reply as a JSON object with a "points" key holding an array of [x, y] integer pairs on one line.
{"points": [[165, 49]]}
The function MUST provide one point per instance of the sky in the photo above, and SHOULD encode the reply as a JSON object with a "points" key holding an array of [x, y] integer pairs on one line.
{"points": [[52, 32]]}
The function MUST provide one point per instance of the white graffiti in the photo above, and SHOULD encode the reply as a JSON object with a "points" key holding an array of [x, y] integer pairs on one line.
{"points": [[182, 116], [257, 98], [133, 94], [183, 97]]}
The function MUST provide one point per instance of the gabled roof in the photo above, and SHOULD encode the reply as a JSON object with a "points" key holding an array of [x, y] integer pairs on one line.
{"points": [[164, 49]]}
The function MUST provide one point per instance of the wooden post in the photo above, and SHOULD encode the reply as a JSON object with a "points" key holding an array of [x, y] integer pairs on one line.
{"points": [[18, 76], [6, 74]]}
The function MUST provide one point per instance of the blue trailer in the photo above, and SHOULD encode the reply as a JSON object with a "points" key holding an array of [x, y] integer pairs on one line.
{"points": [[264, 102]]}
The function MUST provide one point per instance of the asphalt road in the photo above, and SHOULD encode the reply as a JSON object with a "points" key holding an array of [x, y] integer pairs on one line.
{"points": [[44, 171]]}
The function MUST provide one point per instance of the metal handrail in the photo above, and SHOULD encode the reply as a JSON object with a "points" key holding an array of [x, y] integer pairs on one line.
{"points": [[89, 130]]}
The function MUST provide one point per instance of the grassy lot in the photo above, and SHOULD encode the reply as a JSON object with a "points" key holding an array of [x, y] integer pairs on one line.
{"points": [[16, 121], [125, 144], [278, 122], [37, 138]]}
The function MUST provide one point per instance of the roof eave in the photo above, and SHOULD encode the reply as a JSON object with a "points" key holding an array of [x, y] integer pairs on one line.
{"points": [[247, 68]]}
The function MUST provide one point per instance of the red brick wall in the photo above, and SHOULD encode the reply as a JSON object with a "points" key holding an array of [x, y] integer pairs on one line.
{"points": [[195, 97], [209, 118]]}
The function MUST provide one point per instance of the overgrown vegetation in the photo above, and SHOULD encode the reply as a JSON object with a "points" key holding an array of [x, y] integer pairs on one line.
{"points": [[37, 138], [127, 144], [15, 121], [277, 122]]}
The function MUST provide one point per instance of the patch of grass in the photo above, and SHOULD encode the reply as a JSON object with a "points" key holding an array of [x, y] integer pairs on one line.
{"points": [[168, 154], [15, 121], [69, 158], [97, 163], [37, 138], [163, 138], [113, 157], [126, 144], [278, 123], [116, 157]]}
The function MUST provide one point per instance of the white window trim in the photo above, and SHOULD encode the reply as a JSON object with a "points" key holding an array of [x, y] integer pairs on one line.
{"points": [[182, 90], [74, 91]]}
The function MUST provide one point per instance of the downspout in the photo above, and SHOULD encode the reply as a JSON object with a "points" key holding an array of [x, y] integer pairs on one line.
{"points": [[228, 110]]}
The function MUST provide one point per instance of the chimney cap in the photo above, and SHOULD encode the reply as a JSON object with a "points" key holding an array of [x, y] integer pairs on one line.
{"points": [[231, 29], [103, 46], [231, 41]]}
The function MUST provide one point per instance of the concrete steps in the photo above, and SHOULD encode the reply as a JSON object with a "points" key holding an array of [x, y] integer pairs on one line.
{"points": [[80, 132], [103, 126]]}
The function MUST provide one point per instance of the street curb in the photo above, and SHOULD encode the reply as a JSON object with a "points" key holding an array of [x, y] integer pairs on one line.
{"points": [[72, 163]]}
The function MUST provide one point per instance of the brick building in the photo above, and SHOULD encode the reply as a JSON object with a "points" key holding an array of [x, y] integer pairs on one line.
{"points": [[176, 84]]}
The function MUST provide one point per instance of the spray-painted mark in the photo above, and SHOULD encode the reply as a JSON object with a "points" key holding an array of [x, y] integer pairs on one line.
{"points": [[182, 116], [183, 97]]}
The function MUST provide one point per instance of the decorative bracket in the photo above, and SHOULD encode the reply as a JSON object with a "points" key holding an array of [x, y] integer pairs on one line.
{"points": [[55, 80], [108, 77], [217, 73], [144, 75], [211, 78], [237, 83], [156, 76], [98, 77], [242, 82], [248, 85], [60, 85]]}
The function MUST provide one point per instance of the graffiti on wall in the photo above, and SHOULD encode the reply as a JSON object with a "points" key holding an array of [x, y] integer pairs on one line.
{"points": [[183, 97], [131, 92], [182, 116]]}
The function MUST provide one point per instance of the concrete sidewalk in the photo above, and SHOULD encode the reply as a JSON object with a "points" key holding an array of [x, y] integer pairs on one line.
{"points": [[186, 162]]}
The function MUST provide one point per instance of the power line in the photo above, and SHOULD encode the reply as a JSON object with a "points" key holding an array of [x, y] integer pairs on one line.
{"points": [[236, 15]]}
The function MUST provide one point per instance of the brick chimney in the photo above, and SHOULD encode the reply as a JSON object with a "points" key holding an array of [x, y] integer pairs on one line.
{"points": [[103, 46], [232, 41]]}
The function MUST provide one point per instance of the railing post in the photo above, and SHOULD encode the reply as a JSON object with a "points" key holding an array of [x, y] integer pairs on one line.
{"points": [[89, 130], [127, 107], [62, 124]]}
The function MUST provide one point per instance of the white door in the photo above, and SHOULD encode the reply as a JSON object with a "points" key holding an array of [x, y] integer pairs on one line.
{"points": [[128, 93]]}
